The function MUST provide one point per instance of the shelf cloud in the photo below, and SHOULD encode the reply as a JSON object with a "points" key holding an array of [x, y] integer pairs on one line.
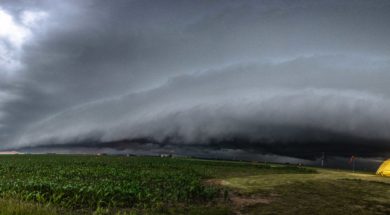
{"points": [[283, 78]]}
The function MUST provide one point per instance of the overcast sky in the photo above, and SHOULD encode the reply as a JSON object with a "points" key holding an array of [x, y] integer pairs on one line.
{"points": [[269, 76]]}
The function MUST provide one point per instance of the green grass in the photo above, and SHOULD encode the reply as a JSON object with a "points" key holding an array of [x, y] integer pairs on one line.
{"points": [[328, 192], [327, 197], [17, 207], [253, 183]]}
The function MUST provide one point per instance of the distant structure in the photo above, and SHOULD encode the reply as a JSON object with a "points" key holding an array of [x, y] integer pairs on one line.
{"points": [[323, 159], [165, 155], [10, 153]]}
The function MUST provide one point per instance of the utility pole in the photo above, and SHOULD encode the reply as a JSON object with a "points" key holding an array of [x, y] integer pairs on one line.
{"points": [[352, 161]]}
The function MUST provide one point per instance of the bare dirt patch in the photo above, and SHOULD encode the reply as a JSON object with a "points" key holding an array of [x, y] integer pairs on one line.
{"points": [[240, 202], [244, 201], [218, 182]]}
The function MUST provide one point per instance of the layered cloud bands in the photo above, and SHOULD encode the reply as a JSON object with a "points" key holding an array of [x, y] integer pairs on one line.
{"points": [[259, 77], [229, 111]]}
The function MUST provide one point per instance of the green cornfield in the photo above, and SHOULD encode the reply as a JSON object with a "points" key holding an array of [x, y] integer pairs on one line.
{"points": [[79, 182]]}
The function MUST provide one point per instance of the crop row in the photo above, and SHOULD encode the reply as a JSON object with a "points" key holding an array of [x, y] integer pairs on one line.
{"points": [[115, 181]]}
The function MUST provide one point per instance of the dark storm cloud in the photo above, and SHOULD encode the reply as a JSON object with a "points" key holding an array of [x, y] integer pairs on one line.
{"points": [[270, 76]]}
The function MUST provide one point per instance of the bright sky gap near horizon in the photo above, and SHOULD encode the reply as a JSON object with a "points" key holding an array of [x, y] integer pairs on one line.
{"points": [[284, 78]]}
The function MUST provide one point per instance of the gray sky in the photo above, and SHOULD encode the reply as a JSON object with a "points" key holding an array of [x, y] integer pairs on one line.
{"points": [[249, 75]]}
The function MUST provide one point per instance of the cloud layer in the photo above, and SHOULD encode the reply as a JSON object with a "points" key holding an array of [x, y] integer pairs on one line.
{"points": [[244, 75]]}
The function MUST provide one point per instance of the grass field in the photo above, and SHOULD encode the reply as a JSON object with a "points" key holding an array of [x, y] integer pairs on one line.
{"points": [[68, 184]]}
